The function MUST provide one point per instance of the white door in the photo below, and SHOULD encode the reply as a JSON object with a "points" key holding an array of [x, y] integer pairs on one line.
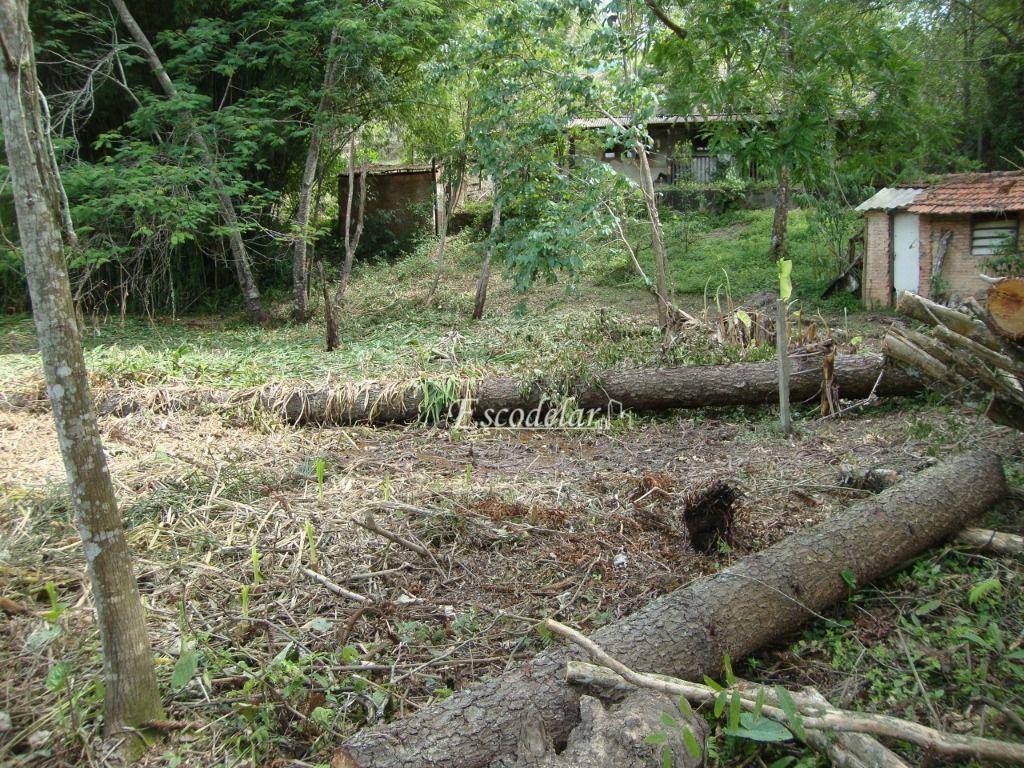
{"points": [[906, 249]]}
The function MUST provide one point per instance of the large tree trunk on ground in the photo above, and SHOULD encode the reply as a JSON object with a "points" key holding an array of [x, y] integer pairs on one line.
{"points": [[485, 268], [648, 389], [239, 253], [651, 389], [131, 694], [688, 632]]}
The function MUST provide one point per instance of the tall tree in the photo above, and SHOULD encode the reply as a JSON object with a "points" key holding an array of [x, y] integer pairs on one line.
{"points": [[131, 694], [300, 266], [239, 253]]}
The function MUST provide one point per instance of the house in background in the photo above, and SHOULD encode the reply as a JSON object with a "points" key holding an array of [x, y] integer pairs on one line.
{"points": [[935, 238], [681, 150], [401, 200]]}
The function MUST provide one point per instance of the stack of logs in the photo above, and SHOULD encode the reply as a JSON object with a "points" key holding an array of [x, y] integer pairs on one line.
{"points": [[974, 352]]}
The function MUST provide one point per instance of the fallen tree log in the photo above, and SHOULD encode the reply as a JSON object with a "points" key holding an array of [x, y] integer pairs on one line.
{"points": [[504, 398], [687, 632], [492, 400], [990, 542]]}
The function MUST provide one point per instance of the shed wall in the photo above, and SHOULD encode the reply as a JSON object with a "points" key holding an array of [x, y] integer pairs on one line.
{"points": [[877, 259]]}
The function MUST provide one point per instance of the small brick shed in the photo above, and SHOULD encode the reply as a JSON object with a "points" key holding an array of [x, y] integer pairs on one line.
{"points": [[934, 238], [401, 199]]}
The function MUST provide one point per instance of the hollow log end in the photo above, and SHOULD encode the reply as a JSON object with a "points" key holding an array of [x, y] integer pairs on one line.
{"points": [[1005, 302]]}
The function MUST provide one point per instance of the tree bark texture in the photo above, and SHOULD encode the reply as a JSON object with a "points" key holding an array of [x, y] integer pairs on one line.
{"points": [[239, 253], [485, 268], [687, 632], [131, 694], [651, 389]]}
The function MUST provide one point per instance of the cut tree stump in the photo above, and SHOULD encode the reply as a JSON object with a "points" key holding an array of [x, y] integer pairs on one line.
{"points": [[687, 632], [1005, 302], [612, 736]]}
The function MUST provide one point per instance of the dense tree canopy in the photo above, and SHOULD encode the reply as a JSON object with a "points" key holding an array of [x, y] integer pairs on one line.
{"points": [[839, 95]]}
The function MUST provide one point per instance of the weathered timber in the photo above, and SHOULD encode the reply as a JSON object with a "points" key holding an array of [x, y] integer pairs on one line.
{"points": [[687, 632]]}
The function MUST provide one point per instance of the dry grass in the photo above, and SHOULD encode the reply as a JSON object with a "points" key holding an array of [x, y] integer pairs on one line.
{"points": [[518, 526]]}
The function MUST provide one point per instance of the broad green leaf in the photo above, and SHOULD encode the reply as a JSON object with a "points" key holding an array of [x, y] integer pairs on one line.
{"points": [[720, 702], [790, 708], [759, 703], [730, 678], [57, 676], [762, 730], [184, 668]]}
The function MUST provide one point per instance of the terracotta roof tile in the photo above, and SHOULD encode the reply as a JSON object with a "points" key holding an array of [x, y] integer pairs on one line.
{"points": [[997, 192]]}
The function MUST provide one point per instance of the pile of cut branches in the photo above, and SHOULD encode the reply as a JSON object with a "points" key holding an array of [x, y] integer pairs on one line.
{"points": [[972, 353]]}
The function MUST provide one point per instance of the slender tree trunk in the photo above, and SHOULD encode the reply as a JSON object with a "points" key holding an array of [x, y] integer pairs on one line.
{"points": [[131, 696], [657, 237], [485, 268], [447, 209], [239, 254], [300, 261], [352, 238], [781, 218], [300, 267]]}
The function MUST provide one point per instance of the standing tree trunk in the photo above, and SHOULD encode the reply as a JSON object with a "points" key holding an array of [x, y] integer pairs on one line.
{"points": [[352, 238], [239, 254], [131, 696], [300, 261], [781, 218], [447, 207], [657, 237], [485, 268]]}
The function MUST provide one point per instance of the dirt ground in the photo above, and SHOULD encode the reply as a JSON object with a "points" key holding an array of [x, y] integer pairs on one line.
{"points": [[226, 517]]}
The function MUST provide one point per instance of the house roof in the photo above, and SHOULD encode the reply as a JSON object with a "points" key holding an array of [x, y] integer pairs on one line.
{"points": [[690, 119], [999, 192], [890, 199], [955, 193]]}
